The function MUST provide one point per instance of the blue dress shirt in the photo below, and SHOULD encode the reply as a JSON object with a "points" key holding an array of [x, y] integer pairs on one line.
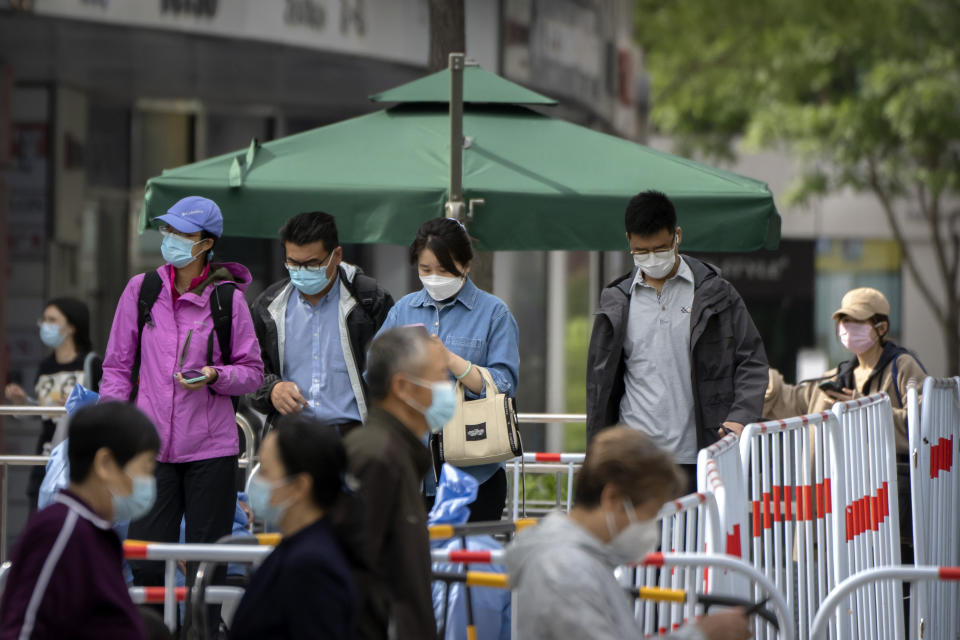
{"points": [[475, 325], [314, 360]]}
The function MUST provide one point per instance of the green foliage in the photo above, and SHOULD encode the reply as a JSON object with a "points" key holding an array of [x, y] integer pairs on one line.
{"points": [[578, 337], [866, 92]]}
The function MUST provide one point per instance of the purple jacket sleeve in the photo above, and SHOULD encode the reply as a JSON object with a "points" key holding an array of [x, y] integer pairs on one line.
{"points": [[121, 346], [245, 373]]}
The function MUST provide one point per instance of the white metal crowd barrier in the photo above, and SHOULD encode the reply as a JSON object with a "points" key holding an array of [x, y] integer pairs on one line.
{"points": [[556, 463], [934, 434], [719, 472], [690, 524], [789, 489], [865, 478], [39, 461], [764, 586], [837, 603], [170, 553]]}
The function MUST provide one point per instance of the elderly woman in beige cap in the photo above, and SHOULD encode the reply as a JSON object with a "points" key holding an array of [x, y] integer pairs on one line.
{"points": [[863, 321]]}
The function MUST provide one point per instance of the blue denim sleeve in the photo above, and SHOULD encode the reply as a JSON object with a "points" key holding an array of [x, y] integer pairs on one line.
{"points": [[503, 352]]}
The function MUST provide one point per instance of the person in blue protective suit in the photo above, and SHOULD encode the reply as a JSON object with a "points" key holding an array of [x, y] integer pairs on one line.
{"points": [[456, 491]]}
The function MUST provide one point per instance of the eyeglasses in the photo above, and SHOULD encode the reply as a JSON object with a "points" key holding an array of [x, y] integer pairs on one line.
{"points": [[293, 265], [167, 230], [659, 253]]}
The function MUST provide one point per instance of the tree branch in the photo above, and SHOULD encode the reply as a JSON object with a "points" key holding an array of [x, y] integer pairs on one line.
{"points": [[891, 216]]}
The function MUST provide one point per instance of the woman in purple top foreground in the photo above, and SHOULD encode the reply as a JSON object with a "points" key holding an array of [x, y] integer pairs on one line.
{"points": [[65, 578]]}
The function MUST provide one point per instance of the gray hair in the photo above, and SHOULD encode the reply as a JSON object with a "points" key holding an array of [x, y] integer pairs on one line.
{"points": [[398, 350]]}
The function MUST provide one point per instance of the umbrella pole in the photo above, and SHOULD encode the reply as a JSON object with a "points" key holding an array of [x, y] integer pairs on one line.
{"points": [[454, 207]]}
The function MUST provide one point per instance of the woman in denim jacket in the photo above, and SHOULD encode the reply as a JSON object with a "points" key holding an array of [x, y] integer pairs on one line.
{"points": [[476, 329]]}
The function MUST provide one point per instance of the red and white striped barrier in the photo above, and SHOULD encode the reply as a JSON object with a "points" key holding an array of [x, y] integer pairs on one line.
{"points": [[866, 476], [156, 595], [468, 556], [555, 463], [790, 492], [561, 458], [719, 471], [934, 434], [690, 524], [836, 604]]}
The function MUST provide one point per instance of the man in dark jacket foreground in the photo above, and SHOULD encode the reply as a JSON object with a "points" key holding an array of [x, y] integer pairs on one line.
{"points": [[411, 393], [674, 352]]}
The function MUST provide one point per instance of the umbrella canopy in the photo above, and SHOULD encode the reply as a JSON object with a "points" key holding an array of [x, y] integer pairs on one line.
{"points": [[547, 183]]}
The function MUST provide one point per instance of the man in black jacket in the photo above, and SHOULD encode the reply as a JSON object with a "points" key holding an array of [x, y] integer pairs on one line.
{"points": [[674, 352], [314, 328]]}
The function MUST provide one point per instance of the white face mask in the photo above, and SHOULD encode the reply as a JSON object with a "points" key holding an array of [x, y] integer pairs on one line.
{"points": [[657, 264], [634, 542], [442, 287]]}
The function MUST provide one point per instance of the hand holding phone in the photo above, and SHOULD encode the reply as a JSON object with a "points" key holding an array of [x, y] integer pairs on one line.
{"points": [[830, 384], [192, 376]]}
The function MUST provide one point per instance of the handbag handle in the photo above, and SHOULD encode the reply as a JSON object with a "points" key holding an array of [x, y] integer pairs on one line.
{"points": [[489, 385]]}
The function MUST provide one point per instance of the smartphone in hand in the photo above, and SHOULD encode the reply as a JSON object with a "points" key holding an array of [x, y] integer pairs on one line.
{"points": [[830, 384], [191, 376]]}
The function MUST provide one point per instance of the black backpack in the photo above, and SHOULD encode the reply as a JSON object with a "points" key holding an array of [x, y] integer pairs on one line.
{"points": [[221, 308]]}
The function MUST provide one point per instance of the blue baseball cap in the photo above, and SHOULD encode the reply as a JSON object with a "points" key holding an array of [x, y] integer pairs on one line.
{"points": [[194, 213]]}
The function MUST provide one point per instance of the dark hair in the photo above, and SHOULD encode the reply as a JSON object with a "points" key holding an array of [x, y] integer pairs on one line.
{"points": [[630, 461], [310, 227], [204, 235], [78, 315], [650, 212], [120, 427], [310, 446], [154, 624], [398, 350], [447, 239]]}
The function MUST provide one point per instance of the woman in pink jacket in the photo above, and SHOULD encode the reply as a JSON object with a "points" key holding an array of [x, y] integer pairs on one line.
{"points": [[184, 382]]}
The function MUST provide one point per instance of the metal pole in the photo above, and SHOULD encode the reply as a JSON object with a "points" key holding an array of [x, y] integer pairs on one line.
{"points": [[3, 514], [556, 322], [455, 206], [170, 595]]}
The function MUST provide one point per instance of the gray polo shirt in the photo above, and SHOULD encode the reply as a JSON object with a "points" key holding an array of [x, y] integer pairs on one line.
{"points": [[658, 399]]}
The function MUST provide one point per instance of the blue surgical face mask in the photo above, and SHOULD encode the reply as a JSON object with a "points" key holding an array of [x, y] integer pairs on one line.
{"points": [[178, 251], [442, 405], [138, 503], [260, 492], [308, 281], [51, 335]]}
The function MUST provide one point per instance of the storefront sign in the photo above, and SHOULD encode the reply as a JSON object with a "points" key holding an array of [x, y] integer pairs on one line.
{"points": [[397, 30]]}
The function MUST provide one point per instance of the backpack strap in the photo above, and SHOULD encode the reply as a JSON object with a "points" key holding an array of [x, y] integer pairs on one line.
{"points": [[88, 369], [364, 290], [896, 378], [221, 308], [149, 292]]}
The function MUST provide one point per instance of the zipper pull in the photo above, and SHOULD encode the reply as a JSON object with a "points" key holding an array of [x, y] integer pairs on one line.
{"points": [[186, 348]]}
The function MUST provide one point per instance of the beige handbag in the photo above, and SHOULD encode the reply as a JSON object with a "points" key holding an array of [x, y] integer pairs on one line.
{"points": [[481, 431]]}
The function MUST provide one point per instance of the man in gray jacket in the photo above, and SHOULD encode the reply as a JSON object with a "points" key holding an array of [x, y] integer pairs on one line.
{"points": [[674, 352], [562, 569]]}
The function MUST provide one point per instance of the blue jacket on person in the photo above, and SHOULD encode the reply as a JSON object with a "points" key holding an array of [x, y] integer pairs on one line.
{"points": [[491, 607], [475, 325]]}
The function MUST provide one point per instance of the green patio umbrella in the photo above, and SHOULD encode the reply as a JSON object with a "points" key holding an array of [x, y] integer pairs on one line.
{"points": [[546, 183]]}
